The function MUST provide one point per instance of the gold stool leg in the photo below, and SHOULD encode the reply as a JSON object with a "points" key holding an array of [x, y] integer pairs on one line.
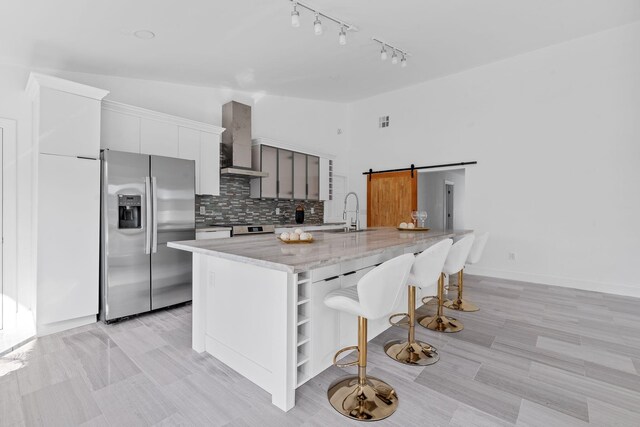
{"points": [[459, 303], [360, 397], [410, 351], [440, 322]]}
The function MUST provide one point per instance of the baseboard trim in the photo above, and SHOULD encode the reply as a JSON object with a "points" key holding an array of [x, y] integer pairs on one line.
{"points": [[52, 328], [564, 282]]}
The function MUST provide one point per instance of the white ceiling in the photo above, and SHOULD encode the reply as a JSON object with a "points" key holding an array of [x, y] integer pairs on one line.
{"points": [[250, 44]]}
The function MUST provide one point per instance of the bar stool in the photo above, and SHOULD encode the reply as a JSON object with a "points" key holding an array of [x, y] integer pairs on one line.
{"points": [[425, 272], [455, 262], [474, 256], [360, 397]]}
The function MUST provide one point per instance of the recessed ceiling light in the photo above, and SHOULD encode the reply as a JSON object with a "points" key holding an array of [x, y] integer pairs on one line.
{"points": [[144, 34]]}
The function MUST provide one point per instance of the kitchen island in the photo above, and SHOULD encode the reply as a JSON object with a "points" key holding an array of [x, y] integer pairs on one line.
{"points": [[258, 303]]}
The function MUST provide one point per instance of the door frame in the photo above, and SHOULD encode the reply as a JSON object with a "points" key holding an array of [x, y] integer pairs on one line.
{"points": [[445, 204], [9, 286]]}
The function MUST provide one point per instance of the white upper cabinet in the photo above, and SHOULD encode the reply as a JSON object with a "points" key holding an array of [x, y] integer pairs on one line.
{"points": [[66, 116], [137, 130], [210, 163], [189, 149], [158, 138], [326, 178], [120, 132]]}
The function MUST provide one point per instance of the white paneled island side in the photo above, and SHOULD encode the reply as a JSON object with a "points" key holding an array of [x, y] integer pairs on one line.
{"points": [[258, 303]]}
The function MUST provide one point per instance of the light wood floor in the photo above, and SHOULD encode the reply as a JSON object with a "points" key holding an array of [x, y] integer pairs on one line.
{"points": [[533, 356]]}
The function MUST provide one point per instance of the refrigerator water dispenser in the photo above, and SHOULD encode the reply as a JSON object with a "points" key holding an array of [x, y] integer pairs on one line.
{"points": [[129, 211]]}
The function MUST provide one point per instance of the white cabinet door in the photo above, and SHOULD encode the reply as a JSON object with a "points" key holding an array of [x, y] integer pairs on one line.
{"points": [[68, 238], [158, 138], [189, 149], [120, 132], [69, 125], [209, 163], [325, 179]]}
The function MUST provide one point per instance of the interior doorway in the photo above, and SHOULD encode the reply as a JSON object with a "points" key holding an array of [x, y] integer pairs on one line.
{"points": [[442, 194]]}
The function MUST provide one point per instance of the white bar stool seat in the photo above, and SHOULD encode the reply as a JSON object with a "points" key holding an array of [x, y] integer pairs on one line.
{"points": [[425, 272], [454, 263], [360, 397], [475, 253]]}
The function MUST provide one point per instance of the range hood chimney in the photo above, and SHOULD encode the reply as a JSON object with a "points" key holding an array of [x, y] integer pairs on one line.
{"points": [[236, 141]]}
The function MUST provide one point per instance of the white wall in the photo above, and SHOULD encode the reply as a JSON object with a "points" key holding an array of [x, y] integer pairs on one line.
{"points": [[556, 135], [431, 197]]}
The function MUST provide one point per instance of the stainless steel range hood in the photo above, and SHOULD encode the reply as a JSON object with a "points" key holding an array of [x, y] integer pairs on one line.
{"points": [[236, 141]]}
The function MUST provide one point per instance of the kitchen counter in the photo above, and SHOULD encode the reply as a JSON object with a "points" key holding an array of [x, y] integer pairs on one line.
{"points": [[327, 248], [258, 303]]}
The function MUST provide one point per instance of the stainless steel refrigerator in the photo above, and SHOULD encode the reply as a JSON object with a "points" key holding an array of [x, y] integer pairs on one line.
{"points": [[147, 201]]}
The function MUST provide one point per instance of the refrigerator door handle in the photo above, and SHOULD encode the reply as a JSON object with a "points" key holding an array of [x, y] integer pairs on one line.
{"points": [[155, 214], [148, 218]]}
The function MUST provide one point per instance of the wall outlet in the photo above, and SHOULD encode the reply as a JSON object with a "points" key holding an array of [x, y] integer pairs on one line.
{"points": [[313, 210], [277, 211], [203, 210], [511, 256]]}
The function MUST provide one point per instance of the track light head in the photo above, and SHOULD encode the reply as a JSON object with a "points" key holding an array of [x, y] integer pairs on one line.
{"points": [[394, 58], [317, 25], [403, 61], [383, 54], [342, 37], [295, 17]]}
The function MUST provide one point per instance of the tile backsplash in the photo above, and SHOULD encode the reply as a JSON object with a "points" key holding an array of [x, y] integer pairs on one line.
{"points": [[235, 206]]}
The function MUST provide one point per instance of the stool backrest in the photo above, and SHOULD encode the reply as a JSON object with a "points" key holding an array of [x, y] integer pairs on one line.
{"points": [[428, 265], [477, 248], [458, 254], [379, 289]]}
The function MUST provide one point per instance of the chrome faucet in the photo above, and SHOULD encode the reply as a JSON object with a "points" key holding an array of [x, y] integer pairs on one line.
{"points": [[355, 224]]}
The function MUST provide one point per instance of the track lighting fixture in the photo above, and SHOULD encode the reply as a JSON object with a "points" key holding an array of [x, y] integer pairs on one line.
{"points": [[317, 25], [342, 37], [295, 16], [397, 54]]}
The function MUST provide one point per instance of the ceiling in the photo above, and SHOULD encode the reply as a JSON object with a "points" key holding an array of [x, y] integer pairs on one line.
{"points": [[250, 45]]}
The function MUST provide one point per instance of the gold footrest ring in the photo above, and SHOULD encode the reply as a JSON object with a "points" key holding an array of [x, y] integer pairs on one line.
{"points": [[398, 324], [461, 305], [429, 299], [372, 401], [345, 365], [441, 323], [415, 353]]}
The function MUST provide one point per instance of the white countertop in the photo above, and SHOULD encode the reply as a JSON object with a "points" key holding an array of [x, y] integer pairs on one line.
{"points": [[328, 248]]}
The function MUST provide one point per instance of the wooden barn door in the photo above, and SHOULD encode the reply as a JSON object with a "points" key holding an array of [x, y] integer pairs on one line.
{"points": [[391, 197]]}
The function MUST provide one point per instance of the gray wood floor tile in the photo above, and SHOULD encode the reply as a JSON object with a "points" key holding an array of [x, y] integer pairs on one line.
{"points": [[137, 340], [135, 401], [10, 402], [466, 416], [43, 371], [613, 376], [535, 415], [160, 366], [604, 414], [107, 367], [481, 396], [67, 403], [88, 343], [540, 355], [519, 384], [600, 356], [587, 387]]}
